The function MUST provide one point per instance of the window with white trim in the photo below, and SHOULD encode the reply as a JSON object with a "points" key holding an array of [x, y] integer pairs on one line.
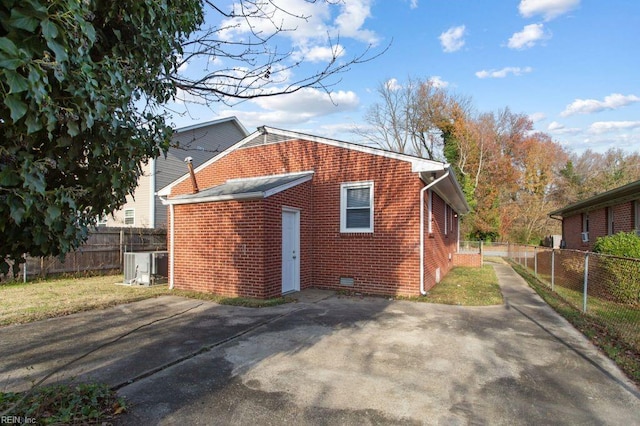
{"points": [[636, 206], [356, 207], [129, 216]]}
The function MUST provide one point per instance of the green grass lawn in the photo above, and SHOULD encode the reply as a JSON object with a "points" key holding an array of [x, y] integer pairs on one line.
{"points": [[33, 301], [466, 286]]}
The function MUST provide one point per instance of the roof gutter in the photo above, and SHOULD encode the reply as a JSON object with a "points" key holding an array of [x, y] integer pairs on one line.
{"points": [[422, 192]]}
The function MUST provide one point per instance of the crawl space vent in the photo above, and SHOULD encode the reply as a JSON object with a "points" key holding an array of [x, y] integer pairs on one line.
{"points": [[346, 281]]}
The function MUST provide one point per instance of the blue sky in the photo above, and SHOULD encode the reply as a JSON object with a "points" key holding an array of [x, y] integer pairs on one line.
{"points": [[573, 66]]}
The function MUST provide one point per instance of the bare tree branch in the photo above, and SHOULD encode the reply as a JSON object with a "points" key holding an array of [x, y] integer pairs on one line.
{"points": [[247, 42]]}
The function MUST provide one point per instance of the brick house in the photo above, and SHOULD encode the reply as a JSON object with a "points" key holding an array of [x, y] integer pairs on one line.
{"points": [[284, 211], [617, 210]]}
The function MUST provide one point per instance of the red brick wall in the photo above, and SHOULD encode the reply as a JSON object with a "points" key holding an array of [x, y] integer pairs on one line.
{"points": [[219, 248], [439, 248], [571, 229], [383, 262], [473, 260], [234, 247], [598, 225]]}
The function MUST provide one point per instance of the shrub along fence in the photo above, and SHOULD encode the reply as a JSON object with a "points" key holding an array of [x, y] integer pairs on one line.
{"points": [[102, 253], [602, 286]]}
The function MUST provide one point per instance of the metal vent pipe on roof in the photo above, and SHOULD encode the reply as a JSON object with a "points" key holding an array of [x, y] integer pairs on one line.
{"points": [[194, 184]]}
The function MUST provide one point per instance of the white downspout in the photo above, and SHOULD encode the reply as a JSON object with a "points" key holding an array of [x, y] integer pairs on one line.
{"points": [[171, 244], [171, 239], [422, 191]]}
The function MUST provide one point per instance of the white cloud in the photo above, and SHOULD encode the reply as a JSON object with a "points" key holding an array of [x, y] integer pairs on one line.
{"points": [[528, 37], [342, 131], [502, 73], [438, 82], [537, 117], [306, 34], [413, 4], [589, 106], [313, 101], [392, 84], [560, 129], [554, 125], [319, 53], [611, 126], [549, 9], [263, 20], [351, 19], [295, 108], [453, 39]]}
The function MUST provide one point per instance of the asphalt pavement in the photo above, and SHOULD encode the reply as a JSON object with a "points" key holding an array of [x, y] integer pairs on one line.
{"points": [[330, 359]]}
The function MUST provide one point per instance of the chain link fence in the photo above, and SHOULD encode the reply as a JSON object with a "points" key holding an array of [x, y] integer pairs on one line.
{"points": [[484, 248], [604, 287]]}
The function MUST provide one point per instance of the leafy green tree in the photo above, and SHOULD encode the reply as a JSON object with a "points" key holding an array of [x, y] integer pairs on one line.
{"points": [[80, 83]]}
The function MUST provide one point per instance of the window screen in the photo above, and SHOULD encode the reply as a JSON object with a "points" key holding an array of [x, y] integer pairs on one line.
{"points": [[356, 207], [129, 217]]}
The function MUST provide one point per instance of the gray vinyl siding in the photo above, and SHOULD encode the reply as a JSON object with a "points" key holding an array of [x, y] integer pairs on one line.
{"points": [[201, 144]]}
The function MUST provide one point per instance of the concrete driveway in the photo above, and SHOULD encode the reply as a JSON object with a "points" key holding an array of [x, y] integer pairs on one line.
{"points": [[332, 360]]}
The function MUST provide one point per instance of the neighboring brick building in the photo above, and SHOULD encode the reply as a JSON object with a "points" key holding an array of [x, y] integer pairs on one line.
{"points": [[285, 211], [607, 213]]}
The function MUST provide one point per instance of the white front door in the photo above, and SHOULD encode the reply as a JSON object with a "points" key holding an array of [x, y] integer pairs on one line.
{"points": [[290, 250]]}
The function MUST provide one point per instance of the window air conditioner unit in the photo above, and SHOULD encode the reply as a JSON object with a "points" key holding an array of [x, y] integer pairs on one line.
{"points": [[585, 237]]}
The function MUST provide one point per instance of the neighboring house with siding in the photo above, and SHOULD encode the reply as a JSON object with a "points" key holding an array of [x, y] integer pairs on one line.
{"points": [[608, 213], [282, 211], [201, 142]]}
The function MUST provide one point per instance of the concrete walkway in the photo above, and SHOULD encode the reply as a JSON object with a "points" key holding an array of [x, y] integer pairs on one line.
{"points": [[332, 360]]}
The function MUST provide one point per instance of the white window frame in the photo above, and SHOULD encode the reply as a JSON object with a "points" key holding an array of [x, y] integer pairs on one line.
{"points": [[344, 187], [133, 216], [610, 221], [102, 220]]}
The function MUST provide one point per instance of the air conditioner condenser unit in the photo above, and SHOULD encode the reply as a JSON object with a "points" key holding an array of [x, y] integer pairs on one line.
{"points": [[145, 268]]}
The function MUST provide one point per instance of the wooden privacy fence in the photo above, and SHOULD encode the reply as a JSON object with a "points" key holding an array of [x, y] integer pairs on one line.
{"points": [[103, 252]]}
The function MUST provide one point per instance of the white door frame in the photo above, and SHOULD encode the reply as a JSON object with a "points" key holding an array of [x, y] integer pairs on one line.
{"points": [[291, 271]]}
